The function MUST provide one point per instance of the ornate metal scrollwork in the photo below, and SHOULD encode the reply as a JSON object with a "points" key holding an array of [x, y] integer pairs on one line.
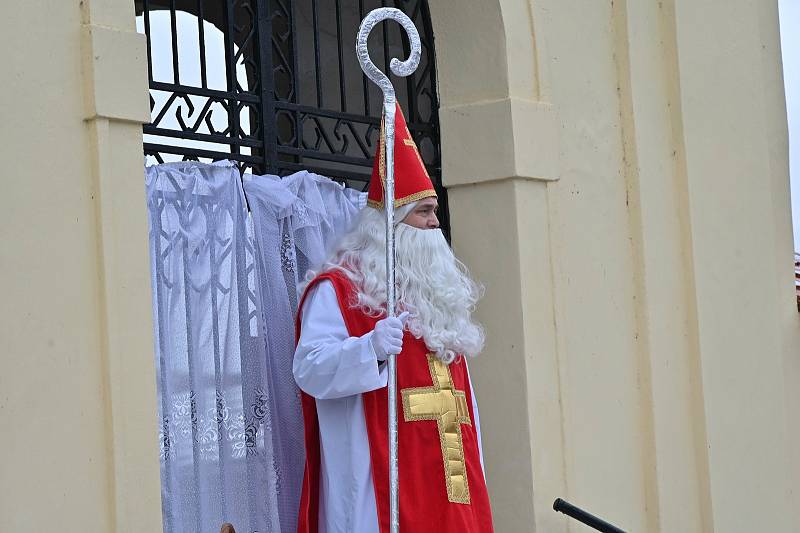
{"points": [[289, 93]]}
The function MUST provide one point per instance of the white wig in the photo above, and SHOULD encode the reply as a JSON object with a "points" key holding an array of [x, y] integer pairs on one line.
{"points": [[432, 284]]}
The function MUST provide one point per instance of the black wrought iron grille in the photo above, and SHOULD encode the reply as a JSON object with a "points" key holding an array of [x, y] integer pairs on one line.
{"points": [[275, 85]]}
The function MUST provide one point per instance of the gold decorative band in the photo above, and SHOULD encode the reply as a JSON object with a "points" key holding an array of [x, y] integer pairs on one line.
{"points": [[400, 202]]}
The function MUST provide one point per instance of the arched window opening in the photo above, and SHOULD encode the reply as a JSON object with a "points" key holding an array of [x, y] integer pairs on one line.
{"points": [[275, 85]]}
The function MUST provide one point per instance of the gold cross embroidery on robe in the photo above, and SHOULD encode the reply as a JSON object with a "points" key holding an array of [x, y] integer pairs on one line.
{"points": [[448, 407]]}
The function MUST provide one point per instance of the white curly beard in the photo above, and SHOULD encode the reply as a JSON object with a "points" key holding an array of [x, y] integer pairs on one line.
{"points": [[432, 284]]}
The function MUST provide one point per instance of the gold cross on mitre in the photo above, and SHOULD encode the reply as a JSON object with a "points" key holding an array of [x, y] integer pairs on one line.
{"points": [[448, 407], [409, 141]]}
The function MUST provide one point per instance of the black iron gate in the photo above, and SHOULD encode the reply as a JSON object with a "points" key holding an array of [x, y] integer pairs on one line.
{"points": [[275, 85]]}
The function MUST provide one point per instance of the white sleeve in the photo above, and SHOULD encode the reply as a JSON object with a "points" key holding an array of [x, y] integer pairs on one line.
{"points": [[477, 420], [328, 363]]}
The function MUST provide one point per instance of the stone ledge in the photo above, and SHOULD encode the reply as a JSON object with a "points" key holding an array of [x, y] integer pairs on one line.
{"points": [[499, 139], [110, 91]]}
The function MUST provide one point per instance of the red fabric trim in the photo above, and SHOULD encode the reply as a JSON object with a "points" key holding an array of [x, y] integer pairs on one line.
{"points": [[424, 506], [308, 517]]}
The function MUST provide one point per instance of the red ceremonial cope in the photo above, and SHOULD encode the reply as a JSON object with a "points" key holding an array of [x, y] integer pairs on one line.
{"points": [[411, 180], [424, 503]]}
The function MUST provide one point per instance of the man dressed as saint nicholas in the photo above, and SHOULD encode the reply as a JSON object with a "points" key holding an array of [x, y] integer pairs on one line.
{"points": [[343, 341]]}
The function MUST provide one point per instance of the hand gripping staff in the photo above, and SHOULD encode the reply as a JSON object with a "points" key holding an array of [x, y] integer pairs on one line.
{"points": [[399, 68]]}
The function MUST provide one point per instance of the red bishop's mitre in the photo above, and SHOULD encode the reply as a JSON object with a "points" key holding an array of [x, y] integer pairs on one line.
{"points": [[411, 180]]}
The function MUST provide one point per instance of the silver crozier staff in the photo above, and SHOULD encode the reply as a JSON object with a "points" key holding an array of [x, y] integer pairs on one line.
{"points": [[399, 68]]}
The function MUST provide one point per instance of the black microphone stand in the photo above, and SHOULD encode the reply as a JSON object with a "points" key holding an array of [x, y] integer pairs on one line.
{"points": [[580, 515]]}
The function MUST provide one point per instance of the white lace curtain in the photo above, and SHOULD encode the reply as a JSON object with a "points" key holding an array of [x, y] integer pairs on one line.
{"points": [[224, 298]]}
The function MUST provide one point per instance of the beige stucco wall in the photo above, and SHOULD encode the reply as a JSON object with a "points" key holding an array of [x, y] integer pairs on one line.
{"points": [[77, 388], [644, 351], [618, 180]]}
